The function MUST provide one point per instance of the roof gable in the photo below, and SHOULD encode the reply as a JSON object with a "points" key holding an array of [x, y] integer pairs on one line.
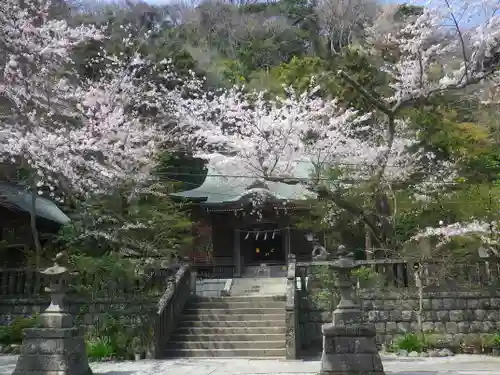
{"points": [[21, 199], [221, 189]]}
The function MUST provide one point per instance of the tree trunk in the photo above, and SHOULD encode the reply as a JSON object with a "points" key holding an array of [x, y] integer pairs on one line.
{"points": [[368, 243], [34, 230], [420, 310]]}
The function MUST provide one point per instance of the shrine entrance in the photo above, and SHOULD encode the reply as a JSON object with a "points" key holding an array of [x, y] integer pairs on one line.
{"points": [[263, 244], [263, 248]]}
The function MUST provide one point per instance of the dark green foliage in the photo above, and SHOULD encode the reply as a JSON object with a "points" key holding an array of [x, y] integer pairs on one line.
{"points": [[112, 338], [410, 342], [494, 342], [13, 333], [408, 10], [324, 293], [145, 224], [99, 349], [182, 171], [300, 70]]}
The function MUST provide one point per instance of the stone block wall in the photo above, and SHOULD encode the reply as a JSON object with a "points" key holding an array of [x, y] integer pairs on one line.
{"points": [[450, 314], [89, 312]]}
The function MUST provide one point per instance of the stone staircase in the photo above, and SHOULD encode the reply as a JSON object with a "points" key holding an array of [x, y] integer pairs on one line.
{"points": [[239, 326], [259, 286]]}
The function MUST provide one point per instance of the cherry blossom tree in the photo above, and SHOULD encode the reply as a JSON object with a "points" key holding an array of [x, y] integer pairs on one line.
{"points": [[34, 88], [81, 136], [298, 139], [440, 51]]}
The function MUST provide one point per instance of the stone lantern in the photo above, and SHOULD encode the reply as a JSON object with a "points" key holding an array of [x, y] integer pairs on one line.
{"points": [[57, 314], [349, 346], [57, 346]]}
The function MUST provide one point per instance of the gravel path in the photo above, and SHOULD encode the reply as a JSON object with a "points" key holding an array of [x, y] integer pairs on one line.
{"points": [[458, 365]]}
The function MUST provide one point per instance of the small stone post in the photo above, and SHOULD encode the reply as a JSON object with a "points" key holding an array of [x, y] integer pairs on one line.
{"points": [[349, 346], [57, 347]]}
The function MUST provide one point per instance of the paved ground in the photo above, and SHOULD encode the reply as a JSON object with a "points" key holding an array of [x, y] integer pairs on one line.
{"points": [[458, 365]]}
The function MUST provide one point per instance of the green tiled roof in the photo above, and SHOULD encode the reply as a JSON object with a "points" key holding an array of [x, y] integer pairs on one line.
{"points": [[20, 198], [217, 189]]}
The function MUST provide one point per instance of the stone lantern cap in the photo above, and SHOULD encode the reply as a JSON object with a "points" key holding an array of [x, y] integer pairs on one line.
{"points": [[58, 268], [345, 264]]}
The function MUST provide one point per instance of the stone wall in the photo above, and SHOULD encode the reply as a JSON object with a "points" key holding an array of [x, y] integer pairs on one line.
{"points": [[92, 311], [450, 314], [89, 312]]}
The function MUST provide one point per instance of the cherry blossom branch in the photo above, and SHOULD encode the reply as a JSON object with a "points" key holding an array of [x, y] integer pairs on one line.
{"points": [[342, 203], [409, 100], [379, 104], [391, 129], [461, 37]]}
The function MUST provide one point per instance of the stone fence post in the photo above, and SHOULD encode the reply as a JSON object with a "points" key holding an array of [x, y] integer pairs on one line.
{"points": [[291, 311]]}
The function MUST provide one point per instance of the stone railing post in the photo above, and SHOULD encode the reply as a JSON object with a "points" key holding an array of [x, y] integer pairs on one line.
{"points": [[291, 311], [170, 307], [194, 277]]}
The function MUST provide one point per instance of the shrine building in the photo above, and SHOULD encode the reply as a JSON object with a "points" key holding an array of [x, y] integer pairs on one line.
{"points": [[243, 222]]}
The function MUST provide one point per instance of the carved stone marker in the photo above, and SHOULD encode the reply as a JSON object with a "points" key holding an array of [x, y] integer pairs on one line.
{"points": [[57, 347], [349, 346]]}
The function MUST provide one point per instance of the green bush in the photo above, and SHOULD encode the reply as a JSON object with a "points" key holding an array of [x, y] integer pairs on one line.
{"points": [[118, 338], [368, 278], [99, 348], [410, 342], [4, 335], [495, 340], [13, 333]]}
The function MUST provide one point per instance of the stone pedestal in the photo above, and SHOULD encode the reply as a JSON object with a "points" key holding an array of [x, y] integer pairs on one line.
{"points": [[52, 351], [349, 346], [57, 347], [350, 351]]}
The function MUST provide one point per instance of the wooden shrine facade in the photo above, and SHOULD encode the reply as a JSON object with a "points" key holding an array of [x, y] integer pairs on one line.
{"points": [[242, 222], [229, 238]]}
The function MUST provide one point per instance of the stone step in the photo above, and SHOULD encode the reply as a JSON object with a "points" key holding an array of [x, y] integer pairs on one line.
{"points": [[225, 353], [241, 311], [212, 323], [272, 330], [258, 286], [249, 338], [210, 316], [280, 344], [239, 299], [236, 304]]}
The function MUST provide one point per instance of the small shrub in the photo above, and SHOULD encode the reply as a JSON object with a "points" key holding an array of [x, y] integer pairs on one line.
{"points": [[410, 342], [4, 335], [495, 340], [99, 348], [122, 339], [118, 334], [367, 278], [13, 334]]}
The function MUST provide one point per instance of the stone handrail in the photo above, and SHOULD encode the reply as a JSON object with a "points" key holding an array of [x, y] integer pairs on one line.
{"points": [[170, 307], [291, 311], [400, 273]]}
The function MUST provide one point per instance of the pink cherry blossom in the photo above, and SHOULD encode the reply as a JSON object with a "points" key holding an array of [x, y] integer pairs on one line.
{"points": [[457, 37], [302, 135], [485, 232], [83, 135]]}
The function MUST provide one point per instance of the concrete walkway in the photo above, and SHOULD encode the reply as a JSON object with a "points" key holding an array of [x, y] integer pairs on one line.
{"points": [[458, 365]]}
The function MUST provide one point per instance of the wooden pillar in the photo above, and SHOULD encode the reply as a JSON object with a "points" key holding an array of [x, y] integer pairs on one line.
{"points": [[286, 243], [237, 253]]}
